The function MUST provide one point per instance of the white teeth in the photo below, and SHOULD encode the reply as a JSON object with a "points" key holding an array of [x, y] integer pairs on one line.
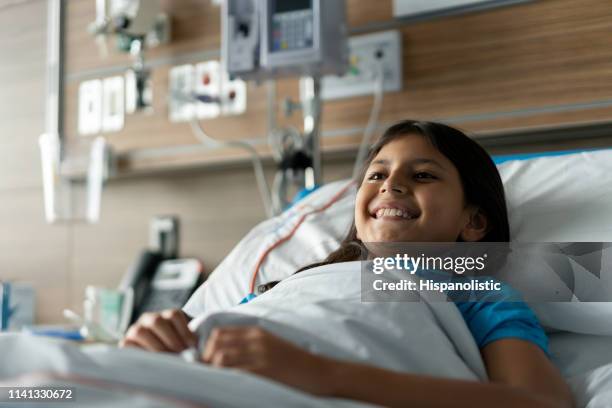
{"points": [[392, 212]]}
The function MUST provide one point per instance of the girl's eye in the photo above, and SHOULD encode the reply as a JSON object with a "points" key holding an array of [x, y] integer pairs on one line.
{"points": [[375, 176], [424, 175]]}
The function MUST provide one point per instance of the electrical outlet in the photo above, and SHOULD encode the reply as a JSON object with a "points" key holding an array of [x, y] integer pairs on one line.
{"points": [[112, 104], [208, 83], [233, 95], [90, 107], [366, 53], [181, 108]]}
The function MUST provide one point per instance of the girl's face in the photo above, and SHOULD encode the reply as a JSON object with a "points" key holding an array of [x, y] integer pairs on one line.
{"points": [[412, 193]]}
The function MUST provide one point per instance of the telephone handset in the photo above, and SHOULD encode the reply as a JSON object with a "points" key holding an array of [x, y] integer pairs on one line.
{"points": [[158, 283]]}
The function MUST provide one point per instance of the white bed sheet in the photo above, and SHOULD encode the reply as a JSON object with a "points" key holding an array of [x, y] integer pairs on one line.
{"points": [[586, 362], [575, 353], [104, 376]]}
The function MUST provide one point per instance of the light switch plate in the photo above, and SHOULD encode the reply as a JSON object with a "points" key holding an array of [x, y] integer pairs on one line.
{"points": [[90, 107], [181, 87], [112, 104]]}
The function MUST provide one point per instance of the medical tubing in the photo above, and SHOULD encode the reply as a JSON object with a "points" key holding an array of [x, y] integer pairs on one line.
{"points": [[265, 254], [279, 183], [271, 119], [313, 119], [260, 177], [372, 120]]}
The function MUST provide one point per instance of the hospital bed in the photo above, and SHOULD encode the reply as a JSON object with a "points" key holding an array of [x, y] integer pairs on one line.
{"points": [[552, 198]]}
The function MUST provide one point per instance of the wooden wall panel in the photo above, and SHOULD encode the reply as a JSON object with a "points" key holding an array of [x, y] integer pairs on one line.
{"points": [[534, 65], [22, 64]]}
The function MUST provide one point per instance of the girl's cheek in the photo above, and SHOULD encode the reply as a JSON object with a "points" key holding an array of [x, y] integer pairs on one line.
{"points": [[361, 200]]}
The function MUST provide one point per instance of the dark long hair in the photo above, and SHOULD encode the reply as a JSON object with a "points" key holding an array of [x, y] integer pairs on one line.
{"points": [[482, 185]]}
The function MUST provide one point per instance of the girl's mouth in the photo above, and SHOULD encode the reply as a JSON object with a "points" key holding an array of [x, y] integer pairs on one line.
{"points": [[393, 213]]}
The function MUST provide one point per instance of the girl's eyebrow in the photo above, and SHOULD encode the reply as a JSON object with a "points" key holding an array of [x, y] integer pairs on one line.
{"points": [[420, 160]]}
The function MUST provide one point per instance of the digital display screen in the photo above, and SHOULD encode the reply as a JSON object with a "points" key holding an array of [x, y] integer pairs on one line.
{"points": [[292, 25], [283, 6]]}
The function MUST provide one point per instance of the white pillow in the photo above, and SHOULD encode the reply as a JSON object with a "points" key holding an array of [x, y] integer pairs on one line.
{"points": [[564, 198], [550, 199], [318, 235]]}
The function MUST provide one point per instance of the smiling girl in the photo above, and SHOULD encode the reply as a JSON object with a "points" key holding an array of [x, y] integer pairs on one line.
{"points": [[422, 182]]}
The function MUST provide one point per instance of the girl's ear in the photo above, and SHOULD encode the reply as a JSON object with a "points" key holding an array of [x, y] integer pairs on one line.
{"points": [[476, 228]]}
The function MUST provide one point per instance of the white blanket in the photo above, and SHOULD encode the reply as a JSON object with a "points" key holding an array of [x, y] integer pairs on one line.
{"points": [[319, 309]]}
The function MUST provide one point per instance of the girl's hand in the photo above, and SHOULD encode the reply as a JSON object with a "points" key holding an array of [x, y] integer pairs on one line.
{"points": [[164, 331], [257, 351]]}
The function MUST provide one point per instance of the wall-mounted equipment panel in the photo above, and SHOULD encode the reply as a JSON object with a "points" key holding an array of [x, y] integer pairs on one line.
{"points": [[371, 56], [204, 91]]}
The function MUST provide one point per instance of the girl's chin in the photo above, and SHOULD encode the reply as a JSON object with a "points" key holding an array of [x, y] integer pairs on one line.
{"points": [[397, 237]]}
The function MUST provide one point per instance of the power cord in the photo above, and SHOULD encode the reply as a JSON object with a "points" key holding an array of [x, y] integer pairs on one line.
{"points": [[262, 184], [374, 116]]}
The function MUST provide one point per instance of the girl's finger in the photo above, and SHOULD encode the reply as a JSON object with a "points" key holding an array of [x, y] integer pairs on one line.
{"points": [[221, 338], [142, 337], [233, 354], [167, 333], [232, 357], [180, 323]]}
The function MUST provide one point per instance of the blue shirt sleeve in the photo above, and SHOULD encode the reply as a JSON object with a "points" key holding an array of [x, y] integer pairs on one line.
{"points": [[502, 315]]}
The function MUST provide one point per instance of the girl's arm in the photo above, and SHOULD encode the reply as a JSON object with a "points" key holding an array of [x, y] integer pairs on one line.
{"points": [[520, 374]]}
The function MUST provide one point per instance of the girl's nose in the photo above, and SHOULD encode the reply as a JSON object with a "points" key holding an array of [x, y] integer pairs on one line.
{"points": [[393, 187]]}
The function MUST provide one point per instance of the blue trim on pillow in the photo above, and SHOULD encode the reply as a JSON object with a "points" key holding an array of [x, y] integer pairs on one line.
{"points": [[303, 193], [526, 156]]}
